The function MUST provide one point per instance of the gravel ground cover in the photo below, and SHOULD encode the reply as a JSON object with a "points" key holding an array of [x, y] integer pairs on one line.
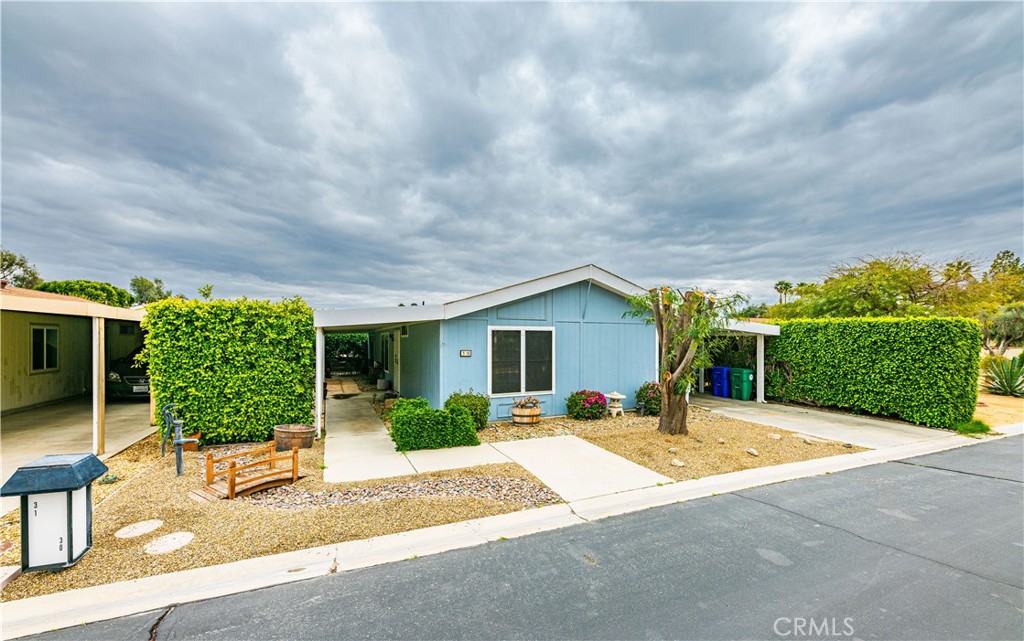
{"points": [[999, 410], [716, 444], [308, 514]]}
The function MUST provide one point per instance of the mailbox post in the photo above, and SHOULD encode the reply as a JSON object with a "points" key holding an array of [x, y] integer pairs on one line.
{"points": [[56, 509]]}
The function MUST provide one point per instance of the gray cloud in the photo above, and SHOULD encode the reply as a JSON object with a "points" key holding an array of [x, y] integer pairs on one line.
{"points": [[370, 154]]}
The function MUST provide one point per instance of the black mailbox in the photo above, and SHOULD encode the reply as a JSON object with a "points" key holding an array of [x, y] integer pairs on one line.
{"points": [[56, 509]]}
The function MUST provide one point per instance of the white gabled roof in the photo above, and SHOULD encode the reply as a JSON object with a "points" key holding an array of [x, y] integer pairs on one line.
{"points": [[380, 317], [371, 318]]}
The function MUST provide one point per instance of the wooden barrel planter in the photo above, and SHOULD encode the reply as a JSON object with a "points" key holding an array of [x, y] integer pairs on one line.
{"points": [[288, 436], [525, 415]]}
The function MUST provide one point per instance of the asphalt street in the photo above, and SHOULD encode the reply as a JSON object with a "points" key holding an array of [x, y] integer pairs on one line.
{"points": [[927, 548]]}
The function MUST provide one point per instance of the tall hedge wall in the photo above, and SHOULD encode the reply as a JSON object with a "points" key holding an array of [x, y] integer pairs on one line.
{"points": [[234, 368], [922, 370]]}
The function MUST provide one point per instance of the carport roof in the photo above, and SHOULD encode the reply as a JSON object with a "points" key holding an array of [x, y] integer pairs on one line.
{"points": [[19, 299]]}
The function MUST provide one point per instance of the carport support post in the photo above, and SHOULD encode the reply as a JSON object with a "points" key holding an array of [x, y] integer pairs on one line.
{"points": [[760, 368], [99, 383], [319, 391]]}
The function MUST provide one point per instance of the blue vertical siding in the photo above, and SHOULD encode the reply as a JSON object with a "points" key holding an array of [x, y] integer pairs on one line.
{"points": [[595, 346], [459, 372], [420, 360]]}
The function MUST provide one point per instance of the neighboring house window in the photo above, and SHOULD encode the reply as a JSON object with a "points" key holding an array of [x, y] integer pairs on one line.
{"points": [[385, 353], [127, 329], [44, 348], [522, 361]]}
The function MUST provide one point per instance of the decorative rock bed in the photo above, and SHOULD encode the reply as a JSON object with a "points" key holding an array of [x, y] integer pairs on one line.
{"points": [[499, 489]]}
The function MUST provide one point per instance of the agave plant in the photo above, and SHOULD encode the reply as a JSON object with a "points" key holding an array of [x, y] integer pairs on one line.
{"points": [[1005, 377]]}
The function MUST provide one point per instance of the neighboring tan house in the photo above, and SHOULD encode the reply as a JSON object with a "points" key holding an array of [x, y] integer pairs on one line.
{"points": [[55, 348]]}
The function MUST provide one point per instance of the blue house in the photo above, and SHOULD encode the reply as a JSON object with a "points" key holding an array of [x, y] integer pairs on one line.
{"points": [[546, 337]]}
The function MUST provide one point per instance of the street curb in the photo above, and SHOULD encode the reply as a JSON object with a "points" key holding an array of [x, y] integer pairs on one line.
{"points": [[88, 605]]}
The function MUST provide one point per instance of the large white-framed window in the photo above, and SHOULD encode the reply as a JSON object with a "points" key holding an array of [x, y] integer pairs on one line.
{"points": [[45, 340], [520, 361]]}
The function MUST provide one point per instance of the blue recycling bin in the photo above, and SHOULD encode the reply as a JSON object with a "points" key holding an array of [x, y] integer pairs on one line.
{"points": [[720, 381]]}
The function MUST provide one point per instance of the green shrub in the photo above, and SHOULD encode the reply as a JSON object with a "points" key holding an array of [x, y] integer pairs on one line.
{"points": [[234, 368], [988, 360], [90, 290], [922, 370], [650, 395], [479, 406], [417, 426], [585, 405], [973, 426], [1005, 377]]}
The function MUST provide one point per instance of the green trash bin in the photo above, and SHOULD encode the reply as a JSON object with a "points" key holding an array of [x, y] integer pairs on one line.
{"points": [[742, 383]]}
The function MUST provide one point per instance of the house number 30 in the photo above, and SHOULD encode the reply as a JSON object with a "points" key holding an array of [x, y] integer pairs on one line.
{"points": [[60, 544]]}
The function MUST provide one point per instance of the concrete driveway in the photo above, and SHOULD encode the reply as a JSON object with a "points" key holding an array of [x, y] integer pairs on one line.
{"points": [[66, 428], [874, 433], [901, 550]]}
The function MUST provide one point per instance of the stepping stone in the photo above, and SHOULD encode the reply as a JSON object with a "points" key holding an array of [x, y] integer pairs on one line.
{"points": [[169, 543], [138, 529]]}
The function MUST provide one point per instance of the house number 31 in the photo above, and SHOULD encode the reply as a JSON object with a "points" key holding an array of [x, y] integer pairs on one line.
{"points": [[35, 508]]}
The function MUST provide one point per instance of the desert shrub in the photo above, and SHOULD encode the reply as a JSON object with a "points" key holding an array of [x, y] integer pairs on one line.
{"points": [[988, 360], [1005, 377], [650, 395], [922, 370], [478, 405], [235, 369], [417, 426], [586, 405], [90, 290]]}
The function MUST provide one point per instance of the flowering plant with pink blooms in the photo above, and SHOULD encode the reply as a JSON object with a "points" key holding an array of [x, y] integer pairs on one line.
{"points": [[650, 395], [586, 405]]}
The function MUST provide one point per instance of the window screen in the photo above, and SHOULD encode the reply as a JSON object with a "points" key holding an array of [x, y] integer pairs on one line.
{"points": [[538, 362], [505, 362]]}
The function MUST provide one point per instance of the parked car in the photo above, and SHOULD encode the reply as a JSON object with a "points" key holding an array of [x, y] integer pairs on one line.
{"points": [[126, 378]]}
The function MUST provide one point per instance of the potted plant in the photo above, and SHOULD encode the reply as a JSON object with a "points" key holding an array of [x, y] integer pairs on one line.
{"points": [[526, 411]]}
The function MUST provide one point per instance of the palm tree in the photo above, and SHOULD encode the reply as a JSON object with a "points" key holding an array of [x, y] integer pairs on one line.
{"points": [[784, 288]]}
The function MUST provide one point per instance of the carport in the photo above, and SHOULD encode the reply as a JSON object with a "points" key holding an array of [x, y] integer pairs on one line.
{"points": [[56, 349], [759, 331]]}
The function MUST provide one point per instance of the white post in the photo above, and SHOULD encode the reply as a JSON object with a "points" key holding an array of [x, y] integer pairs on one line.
{"points": [[760, 368], [99, 382], [319, 391], [700, 378]]}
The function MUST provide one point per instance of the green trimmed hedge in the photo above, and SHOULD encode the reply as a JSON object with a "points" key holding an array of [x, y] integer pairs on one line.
{"points": [[234, 368], [417, 426], [922, 370], [479, 406]]}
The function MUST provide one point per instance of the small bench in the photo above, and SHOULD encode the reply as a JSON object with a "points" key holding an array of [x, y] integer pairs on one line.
{"points": [[244, 479]]}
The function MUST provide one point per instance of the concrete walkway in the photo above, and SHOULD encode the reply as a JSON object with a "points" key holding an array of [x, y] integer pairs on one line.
{"points": [[358, 448], [66, 428], [576, 469], [834, 426]]}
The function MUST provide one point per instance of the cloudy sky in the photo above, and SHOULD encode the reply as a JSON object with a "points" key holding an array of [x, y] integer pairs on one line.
{"points": [[370, 154]]}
